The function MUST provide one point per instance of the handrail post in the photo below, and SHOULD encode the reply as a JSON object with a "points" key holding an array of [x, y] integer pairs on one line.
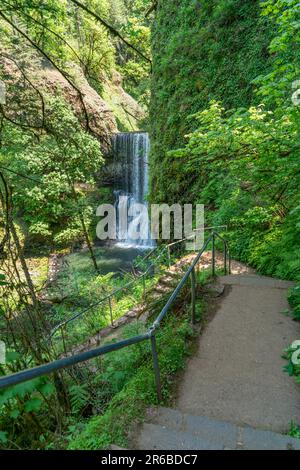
{"points": [[144, 284], [229, 262], [111, 312], [169, 256], [63, 339], [156, 366], [225, 258], [213, 255], [193, 291]]}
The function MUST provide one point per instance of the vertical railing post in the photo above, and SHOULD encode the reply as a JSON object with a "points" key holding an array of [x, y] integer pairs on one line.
{"points": [[198, 267], [213, 255], [110, 311], [144, 284], [229, 262], [169, 256], [63, 338], [156, 367], [193, 292], [225, 258]]}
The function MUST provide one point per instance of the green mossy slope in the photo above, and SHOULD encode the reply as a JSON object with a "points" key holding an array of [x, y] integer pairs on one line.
{"points": [[201, 51]]}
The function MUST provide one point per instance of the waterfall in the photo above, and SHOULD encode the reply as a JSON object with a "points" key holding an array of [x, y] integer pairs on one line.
{"points": [[131, 153]]}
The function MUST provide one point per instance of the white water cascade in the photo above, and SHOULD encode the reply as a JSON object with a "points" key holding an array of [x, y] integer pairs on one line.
{"points": [[131, 153]]}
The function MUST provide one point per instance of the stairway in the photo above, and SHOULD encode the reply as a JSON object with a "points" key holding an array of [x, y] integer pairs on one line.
{"points": [[168, 429]]}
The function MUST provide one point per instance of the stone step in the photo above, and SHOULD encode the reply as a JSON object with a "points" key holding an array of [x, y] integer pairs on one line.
{"points": [[156, 437], [169, 429], [206, 428], [162, 289]]}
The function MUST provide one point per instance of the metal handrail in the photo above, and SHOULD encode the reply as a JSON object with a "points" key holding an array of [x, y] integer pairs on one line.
{"points": [[130, 283], [169, 245], [103, 299], [63, 363]]}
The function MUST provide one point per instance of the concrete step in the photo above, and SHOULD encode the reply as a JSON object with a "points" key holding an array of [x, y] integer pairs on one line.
{"points": [[156, 437], [208, 429], [169, 429]]}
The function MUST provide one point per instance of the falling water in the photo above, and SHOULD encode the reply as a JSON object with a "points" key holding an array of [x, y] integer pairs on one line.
{"points": [[131, 153]]}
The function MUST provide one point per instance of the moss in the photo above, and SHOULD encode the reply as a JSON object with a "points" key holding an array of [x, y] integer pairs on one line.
{"points": [[115, 97], [201, 51]]}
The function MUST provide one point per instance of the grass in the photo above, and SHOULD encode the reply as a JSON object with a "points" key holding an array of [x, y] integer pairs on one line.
{"points": [[38, 268], [294, 431]]}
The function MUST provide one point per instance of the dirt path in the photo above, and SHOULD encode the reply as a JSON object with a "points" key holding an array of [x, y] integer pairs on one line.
{"points": [[237, 375]]}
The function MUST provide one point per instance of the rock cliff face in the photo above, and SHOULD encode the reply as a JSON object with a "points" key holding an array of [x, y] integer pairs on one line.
{"points": [[102, 121], [113, 111], [126, 110]]}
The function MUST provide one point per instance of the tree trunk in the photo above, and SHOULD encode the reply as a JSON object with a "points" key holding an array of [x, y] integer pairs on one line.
{"points": [[23, 263], [85, 232]]}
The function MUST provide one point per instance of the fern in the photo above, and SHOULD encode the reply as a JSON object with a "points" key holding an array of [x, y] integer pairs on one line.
{"points": [[79, 398]]}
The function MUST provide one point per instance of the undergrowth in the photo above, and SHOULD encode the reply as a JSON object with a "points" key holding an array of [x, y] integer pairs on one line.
{"points": [[129, 405]]}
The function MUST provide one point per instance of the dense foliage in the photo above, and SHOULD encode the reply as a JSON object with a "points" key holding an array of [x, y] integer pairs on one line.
{"points": [[243, 163], [242, 157], [56, 58], [225, 123], [201, 51]]}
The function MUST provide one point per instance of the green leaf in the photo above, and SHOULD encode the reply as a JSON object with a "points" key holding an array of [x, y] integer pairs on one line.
{"points": [[6, 395], [289, 369], [27, 387], [14, 414], [3, 282], [34, 404], [3, 437], [12, 356], [47, 388]]}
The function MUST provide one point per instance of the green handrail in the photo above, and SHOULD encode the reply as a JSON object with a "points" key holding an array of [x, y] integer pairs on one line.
{"points": [[66, 362]]}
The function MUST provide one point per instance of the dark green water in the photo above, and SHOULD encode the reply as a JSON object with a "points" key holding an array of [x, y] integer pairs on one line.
{"points": [[117, 259], [109, 258]]}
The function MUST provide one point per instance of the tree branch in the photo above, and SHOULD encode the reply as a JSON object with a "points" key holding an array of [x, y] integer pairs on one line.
{"points": [[41, 51], [30, 18], [151, 9], [112, 30]]}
